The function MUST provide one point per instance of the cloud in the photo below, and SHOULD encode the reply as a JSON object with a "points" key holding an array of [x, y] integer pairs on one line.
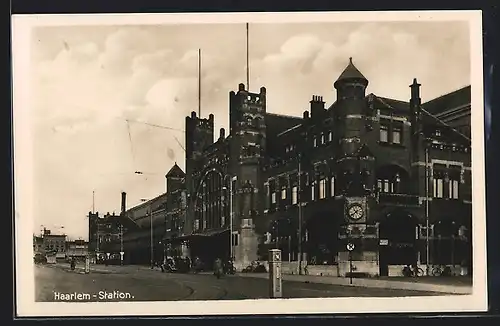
{"points": [[83, 94]]}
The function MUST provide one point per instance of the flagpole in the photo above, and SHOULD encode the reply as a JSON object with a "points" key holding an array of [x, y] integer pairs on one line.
{"points": [[248, 59], [199, 82]]}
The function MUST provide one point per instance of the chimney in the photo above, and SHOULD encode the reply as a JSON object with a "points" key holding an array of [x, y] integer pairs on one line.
{"points": [[317, 106], [415, 92], [124, 202]]}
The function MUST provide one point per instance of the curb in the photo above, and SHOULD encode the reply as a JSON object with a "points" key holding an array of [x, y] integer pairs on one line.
{"points": [[80, 270], [369, 283]]}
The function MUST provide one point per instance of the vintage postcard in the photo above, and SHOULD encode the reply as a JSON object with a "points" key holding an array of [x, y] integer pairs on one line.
{"points": [[274, 163]]}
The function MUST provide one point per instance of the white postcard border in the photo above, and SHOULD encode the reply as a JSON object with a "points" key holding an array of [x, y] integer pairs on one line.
{"points": [[26, 306]]}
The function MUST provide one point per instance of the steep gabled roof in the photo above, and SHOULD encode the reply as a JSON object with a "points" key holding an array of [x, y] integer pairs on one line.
{"points": [[449, 101], [393, 104], [175, 172], [430, 120]]}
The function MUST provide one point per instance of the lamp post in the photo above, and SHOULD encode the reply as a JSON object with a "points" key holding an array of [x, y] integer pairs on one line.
{"points": [[427, 180], [234, 178], [151, 232], [299, 201], [121, 244]]}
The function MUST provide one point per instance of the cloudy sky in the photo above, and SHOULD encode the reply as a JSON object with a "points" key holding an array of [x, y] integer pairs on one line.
{"points": [[88, 81]]}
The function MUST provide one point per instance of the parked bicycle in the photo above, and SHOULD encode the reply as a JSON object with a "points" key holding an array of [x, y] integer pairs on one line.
{"points": [[441, 270], [409, 271]]}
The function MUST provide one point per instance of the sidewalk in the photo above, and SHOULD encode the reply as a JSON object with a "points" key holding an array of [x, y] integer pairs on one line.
{"points": [[81, 269], [373, 283]]}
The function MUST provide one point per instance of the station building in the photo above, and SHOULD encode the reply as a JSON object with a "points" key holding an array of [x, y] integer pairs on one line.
{"points": [[390, 177]]}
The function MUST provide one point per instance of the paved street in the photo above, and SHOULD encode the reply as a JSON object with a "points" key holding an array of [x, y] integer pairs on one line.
{"points": [[131, 283]]}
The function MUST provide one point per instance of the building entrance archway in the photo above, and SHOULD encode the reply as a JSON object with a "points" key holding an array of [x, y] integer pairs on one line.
{"points": [[322, 243], [398, 243]]}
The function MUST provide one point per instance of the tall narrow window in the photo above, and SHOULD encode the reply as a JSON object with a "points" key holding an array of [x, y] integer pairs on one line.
{"points": [[384, 134], [313, 190], [294, 195], [332, 186], [330, 136], [315, 142], [283, 193], [438, 187], [273, 198], [322, 138], [453, 188], [385, 185], [396, 135], [322, 189]]}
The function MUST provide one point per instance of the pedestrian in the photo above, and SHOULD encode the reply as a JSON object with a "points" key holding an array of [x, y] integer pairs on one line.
{"points": [[218, 267]]}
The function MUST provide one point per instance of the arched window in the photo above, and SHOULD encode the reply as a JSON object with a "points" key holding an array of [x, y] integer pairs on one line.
{"points": [[322, 188]]}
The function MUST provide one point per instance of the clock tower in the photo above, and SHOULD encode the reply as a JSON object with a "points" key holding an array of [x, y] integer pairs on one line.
{"points": [[355, 167]]}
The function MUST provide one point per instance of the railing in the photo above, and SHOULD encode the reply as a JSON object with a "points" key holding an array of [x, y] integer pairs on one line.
{"points": [[398, 199]]}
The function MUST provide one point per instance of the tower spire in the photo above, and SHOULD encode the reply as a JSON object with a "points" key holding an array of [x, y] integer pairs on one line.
{"points": [[199, 82], [248, 60]]}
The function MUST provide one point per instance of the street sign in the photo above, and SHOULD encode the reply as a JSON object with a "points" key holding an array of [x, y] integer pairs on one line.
{"points": [[384, 242], [350, 246]]}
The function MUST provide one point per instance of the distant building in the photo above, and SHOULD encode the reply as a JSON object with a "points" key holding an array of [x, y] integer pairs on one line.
{"points": [[77, 249], [38, 247], [54, 244]]}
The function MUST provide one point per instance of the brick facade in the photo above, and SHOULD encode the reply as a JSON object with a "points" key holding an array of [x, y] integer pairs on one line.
{"points": [[363, 161]]}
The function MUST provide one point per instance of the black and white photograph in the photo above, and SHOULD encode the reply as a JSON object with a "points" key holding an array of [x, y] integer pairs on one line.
{"points": [[243, 163]]}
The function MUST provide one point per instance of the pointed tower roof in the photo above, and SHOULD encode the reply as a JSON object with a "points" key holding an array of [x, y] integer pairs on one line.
{"points": [[175, 172], [351, 72]]}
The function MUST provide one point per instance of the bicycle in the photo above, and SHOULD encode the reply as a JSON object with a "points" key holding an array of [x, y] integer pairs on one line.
{"points": [[409, 271], [441, 270]]}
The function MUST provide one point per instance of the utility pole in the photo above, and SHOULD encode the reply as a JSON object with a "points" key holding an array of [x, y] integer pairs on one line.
{"points": [[299, 200], [427, 180], [231, 213], [151, 233]]}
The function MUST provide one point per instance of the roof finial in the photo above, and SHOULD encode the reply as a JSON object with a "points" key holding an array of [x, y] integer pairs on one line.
{"points": [[350, 60]]}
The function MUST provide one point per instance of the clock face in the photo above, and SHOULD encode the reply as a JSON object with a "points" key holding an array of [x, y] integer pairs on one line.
{"points": [[355, 211]]}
